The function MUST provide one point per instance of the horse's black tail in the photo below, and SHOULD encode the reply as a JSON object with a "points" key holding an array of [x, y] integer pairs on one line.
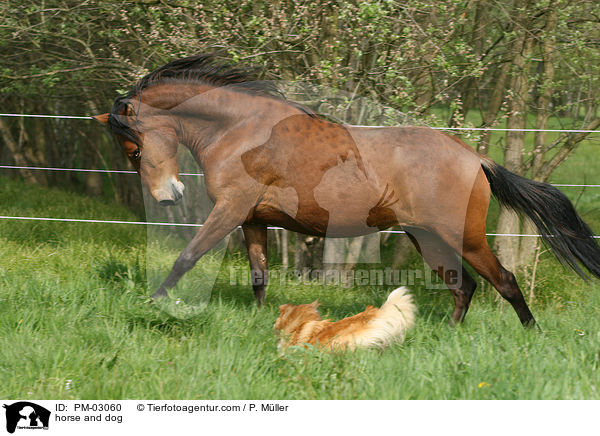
{"points": [[560, 226]]}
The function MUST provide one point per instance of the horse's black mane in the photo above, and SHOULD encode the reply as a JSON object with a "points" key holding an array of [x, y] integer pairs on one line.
{"points": [[205, 68], [201, 68]]}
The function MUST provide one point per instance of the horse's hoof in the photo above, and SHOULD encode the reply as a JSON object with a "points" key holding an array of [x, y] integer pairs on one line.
{"points": [[452, 323], [161, 293], [532, 325]]}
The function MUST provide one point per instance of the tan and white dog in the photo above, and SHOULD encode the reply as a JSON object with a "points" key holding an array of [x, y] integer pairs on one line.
{"points": [[302, 324]]}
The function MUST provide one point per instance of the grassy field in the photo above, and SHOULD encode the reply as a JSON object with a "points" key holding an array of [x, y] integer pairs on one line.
{"points": [[76, 322]]}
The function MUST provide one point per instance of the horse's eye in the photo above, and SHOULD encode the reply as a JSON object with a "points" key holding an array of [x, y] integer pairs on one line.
{"points": [[136, 154]]}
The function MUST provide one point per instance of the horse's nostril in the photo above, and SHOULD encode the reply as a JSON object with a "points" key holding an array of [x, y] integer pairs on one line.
{"points": [[166, 202], [176, 193]]}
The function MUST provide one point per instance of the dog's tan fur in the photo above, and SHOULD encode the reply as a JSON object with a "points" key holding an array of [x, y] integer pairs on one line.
{"points": [[373, 327]]}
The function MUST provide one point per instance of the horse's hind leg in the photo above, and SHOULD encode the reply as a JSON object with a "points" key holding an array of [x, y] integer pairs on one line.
{"points": [[445, 262], [255, 236], [477, 252], [474, 248]]}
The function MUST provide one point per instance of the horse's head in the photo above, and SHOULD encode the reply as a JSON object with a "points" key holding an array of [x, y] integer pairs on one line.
{"points": [[148, 136]]}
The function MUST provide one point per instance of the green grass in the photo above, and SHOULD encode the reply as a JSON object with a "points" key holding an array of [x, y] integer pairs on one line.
{"points": [[76, 323]]}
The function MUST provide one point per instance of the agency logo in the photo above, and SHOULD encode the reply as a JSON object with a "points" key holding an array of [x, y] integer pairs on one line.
{"points": [[26, 415]]}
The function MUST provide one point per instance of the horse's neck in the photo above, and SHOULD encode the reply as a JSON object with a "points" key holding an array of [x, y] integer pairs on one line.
{"points": [[207, 117]]}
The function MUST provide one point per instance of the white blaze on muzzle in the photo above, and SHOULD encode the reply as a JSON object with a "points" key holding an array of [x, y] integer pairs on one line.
{"points": [[169, 192]]}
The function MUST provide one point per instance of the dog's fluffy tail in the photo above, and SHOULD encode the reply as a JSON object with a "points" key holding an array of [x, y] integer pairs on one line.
{"points": [[392, 321]]}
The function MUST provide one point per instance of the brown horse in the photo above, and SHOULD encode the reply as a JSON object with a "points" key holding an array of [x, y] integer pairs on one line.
{"points": [[268, 161]]}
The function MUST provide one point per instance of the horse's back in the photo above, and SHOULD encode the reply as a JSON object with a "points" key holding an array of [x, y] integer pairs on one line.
{"points": [[350, 180], [434, 176]]}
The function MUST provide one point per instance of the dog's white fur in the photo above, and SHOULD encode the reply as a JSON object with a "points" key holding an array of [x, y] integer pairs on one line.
{"points": [[395, 317]]}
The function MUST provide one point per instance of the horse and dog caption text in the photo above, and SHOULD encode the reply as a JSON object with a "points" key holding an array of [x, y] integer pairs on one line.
{"points": [[111, 412]]}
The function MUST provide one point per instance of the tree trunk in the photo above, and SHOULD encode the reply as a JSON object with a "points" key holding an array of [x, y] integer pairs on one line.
{"points": [[469, 89], [334, 254], [92, 182], [354, 249], [285, 262], [507, 247], [14, 146], [308, 254], [493, 107], [402, 250], [545, 91]]}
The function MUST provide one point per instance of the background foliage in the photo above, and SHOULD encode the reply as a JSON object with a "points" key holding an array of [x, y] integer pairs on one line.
{"points": [[490, 63]]}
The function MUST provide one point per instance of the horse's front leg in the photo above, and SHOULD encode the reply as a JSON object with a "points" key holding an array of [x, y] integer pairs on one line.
{"points": [[255, 236], [222, 220]]}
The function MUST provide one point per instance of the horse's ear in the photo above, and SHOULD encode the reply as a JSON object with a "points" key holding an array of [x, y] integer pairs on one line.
{"points": [[102, 118]]}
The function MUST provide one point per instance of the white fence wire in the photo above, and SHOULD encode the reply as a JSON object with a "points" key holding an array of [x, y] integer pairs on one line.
{"points": [[84, 170], [151, 223], [87, 117]]}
